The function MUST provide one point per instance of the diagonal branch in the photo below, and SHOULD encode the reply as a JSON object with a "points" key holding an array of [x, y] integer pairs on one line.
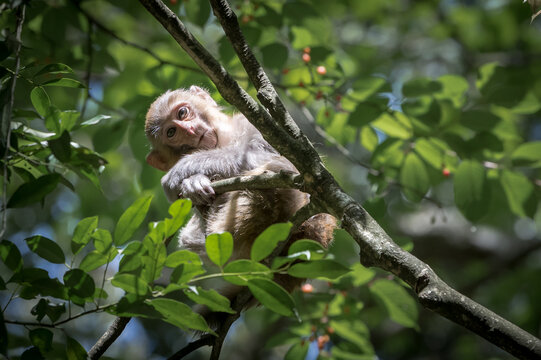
{"points": [[377, 248]]}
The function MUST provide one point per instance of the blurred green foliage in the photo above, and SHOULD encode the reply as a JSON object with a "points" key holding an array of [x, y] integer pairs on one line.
{"points": [[437, 104]]}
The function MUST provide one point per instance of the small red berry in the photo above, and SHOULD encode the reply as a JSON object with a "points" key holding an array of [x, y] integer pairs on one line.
{"points": [[338, 97], [319, 95], [321, 70], [330, 330], [307, 288], [285, 71], [306, 57], [446, 172], [173, 2], [306, 50], [301, 84]]}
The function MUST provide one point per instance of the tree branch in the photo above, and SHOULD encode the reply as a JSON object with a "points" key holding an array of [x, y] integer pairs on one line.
{"points": [[6, 114], [377, 248], [108, 338]]}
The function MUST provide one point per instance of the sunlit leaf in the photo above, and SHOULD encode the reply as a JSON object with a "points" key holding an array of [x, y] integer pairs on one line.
{"points": [[131, 219], [265, 242], [130, 283], [297, 351], [219, 247], [82, 233]]}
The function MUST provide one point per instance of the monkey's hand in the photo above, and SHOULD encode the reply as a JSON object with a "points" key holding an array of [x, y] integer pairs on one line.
{"points": [[197, 188]]}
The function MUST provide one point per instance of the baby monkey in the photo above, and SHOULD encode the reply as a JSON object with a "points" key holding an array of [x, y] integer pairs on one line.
{"points": [[196, 143]]}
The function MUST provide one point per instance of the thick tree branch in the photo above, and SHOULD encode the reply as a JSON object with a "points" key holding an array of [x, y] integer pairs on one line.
{"points": [[377, 249]]}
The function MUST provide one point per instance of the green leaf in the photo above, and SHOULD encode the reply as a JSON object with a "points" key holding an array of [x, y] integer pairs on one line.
{"points": [[82, 233], [305, 245], [355, 332], [102, 240], [131, 284], [420, 86], [197, 12], [33, 191], [64, 82], [10, 255], [397, 126], [179, 210], [210, 298], [95, 120], [519, 192], [472, 196], [61, 147], [527, 154], [42, 339], [369, 138], [274, 55], [365, 113], [272, 296], [325, 268], [182, 257], [46, 248], [219, 247], [57, 68], [74, 350], [265, 243], [40, 100], [297, 351], [79, 283], [179, 314], [248, 270], [93, 260], [454, 87], [414, 178], [479, 120], [399, 303], [361, 275], [131, 219]]}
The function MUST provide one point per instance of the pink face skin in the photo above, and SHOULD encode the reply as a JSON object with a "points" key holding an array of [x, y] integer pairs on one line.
{"points": [[184, 129]]}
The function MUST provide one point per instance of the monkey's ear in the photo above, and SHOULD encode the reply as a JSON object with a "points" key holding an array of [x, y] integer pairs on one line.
{"points": [[196, 90], [156, 160]]}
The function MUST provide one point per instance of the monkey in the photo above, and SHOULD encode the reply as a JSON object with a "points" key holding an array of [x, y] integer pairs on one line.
{"points": [[195, 143]]}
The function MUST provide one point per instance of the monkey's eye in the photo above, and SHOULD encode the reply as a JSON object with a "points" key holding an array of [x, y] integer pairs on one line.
{"points": [[171, 132], [182, 112]]}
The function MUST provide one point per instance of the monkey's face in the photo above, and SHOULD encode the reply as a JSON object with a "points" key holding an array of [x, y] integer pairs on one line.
{"points": [[178, 123]]}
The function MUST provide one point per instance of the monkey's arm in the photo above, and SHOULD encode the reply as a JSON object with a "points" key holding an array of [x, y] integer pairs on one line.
{"points": [[190, 176]]}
